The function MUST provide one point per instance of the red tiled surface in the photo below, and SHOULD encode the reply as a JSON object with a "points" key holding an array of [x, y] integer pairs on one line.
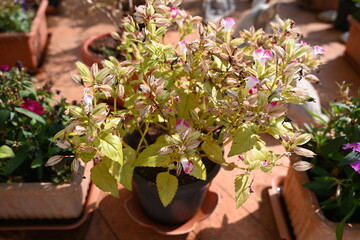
{"points": [[255, 219]]}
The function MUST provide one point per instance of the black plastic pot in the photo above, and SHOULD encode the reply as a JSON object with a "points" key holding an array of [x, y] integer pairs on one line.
{"points": [[346, 7], [187, 201]]}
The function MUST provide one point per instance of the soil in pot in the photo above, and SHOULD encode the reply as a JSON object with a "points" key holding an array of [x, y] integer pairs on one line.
{"points": [[105, 47]]}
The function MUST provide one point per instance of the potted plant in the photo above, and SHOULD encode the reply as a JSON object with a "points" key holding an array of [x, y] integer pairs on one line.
{"points": [[352, 50], [324, 204], [29, 117], [183, 103], [23, 32]]}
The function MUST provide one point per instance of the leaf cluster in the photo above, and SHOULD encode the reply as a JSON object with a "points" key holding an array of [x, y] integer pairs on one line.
{"points": [[205, 82], [17, 16], [333, 180], [25, 137]]}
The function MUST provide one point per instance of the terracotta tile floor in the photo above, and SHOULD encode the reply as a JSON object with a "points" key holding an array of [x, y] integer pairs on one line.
{"points": [[255, 219]]}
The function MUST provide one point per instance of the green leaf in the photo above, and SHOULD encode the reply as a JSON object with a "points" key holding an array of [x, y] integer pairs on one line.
{"points": [[213, 151], [242, 189], [4, 115], [199, 168], [87, 156], [150, 156], [167, 185], [244, 141], [188, 101], [340, 226], [30, 114], [110, 146], [102, 178], [6, 152], [84, 72], [349, 158], [14, 163], [127, 169], [37, 162]]}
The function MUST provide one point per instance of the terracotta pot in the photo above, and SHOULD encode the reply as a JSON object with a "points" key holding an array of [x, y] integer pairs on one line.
{"points": [[87, 57], [45, 200], [184, 206], [26, 47], [307, 220], [352, 50]]}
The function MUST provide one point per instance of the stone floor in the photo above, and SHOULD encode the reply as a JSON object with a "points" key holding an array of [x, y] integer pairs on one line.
{"points": [[255, 219]]}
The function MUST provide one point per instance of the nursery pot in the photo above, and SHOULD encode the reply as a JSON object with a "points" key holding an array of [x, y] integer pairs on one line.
{"points": [[45, 200], [307, 220], [184, 206], [352, 50]]}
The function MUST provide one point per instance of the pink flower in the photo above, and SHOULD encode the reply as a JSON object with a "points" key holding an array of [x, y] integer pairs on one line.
{"points": [[264, 163], [273, 104], [356, 165], [253, 90], [33, 106], [355, 146], [252, 82], [181, 125], [177, 99], [317, 50], [262, 55], [228, 23], [187, 165], [4, 67], [87, 100], [182, 46], [174, 12]]}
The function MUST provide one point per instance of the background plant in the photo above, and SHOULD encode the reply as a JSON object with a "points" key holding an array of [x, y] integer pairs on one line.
{"points": [[17, 16], [335, 175], [186, 101], [29, 117]]}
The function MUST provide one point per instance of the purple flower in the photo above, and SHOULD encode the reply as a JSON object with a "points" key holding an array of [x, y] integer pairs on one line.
{"points": [[262, 55], [355, 146], [4, 67], [228, 23]]}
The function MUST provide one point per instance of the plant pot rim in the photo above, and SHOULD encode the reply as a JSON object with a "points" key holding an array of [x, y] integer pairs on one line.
{"points": [[353, 21], [134, 210], [88, 56], [34, 25], [47, 186]]}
